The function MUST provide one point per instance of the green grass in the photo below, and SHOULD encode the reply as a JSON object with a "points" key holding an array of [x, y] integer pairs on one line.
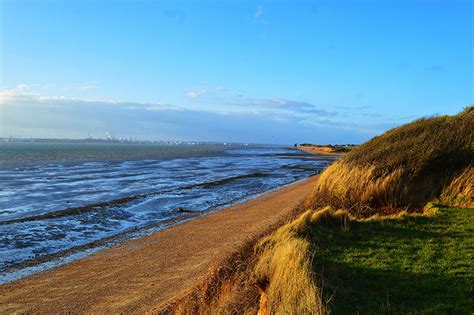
{"points": [[411, 265]]}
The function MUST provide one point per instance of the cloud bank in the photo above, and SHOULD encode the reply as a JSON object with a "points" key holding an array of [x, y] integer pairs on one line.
{"points": [[25, 113]]}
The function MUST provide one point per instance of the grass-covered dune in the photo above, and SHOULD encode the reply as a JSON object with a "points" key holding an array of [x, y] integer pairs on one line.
{"points": [[387, 230], [404, 168]]}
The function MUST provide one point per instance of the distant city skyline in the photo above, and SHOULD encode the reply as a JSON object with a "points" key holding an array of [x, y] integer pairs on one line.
{"points": [[123, 140], [279, 72]]}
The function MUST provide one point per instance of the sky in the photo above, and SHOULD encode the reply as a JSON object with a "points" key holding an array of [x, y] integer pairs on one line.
{"points": [[276, 72]]}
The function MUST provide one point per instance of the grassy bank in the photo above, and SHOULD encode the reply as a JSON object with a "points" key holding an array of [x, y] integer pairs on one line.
{"points": [[326, 262], [369, 240], [404, 168], [381, 253], [411, 264]]}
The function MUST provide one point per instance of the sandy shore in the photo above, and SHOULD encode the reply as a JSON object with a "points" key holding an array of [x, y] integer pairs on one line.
{"points": [[144, 274]]}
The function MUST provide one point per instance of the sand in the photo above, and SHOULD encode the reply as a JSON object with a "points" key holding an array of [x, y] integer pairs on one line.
{"points": [[144, 274]]}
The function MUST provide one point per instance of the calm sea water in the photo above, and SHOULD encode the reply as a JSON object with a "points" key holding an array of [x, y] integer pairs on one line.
{"points": [[60, 202]]}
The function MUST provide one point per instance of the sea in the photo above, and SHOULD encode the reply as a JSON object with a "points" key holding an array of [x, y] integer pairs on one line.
{"points": [[63, 201]]}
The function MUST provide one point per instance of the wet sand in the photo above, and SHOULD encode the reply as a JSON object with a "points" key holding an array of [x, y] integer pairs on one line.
{"points": [[142, 275]]}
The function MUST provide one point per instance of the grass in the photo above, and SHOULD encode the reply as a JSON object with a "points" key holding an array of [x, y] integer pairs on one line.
{"points": [[284, 272], [328, 262], [405, 167], [408, 265], [284, 266], [372, 257]]}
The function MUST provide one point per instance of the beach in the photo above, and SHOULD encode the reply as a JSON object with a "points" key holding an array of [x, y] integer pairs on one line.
{"points": [[60, 202], [145, 274]]}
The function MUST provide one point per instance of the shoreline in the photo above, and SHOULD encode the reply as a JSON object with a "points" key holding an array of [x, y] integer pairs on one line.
{"points": [[147, 272], [48, 262], [58, 214]]}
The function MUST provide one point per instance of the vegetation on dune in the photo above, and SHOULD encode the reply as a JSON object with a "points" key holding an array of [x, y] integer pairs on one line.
{"points": [[460, 190], [329, 262], [284, 273], [285, 267], [374, 257], [406, 167], [388, 250]]}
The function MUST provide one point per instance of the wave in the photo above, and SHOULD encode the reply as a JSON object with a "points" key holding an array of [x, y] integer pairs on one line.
{"points": [[127, 200], [105, 242]]}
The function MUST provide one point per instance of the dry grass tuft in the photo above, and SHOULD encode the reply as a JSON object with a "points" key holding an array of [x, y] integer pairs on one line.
{"points": [[285, 268], [460, 192], [403, 168], [285, 271], [327, 216]]}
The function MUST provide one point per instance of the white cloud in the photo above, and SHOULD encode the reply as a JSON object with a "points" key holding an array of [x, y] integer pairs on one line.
{"points": [[275, 106], [195, 93], [19, 96], [19, 92], [224, 101], [219, 107], [161, 107], [22, 86], [88, 87]]}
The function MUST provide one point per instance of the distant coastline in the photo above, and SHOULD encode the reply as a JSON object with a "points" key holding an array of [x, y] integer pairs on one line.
{"points": [[326, 149], [121, 140]]}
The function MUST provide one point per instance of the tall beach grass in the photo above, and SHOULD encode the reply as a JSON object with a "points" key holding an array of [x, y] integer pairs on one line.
{"points": [[404, 168]]}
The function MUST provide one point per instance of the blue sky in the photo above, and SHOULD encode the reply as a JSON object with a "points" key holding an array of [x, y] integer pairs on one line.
{"points": [[245, 71]]}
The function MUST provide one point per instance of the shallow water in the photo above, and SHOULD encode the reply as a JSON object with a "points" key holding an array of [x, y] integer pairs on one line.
{"points": [[67, 204]]}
